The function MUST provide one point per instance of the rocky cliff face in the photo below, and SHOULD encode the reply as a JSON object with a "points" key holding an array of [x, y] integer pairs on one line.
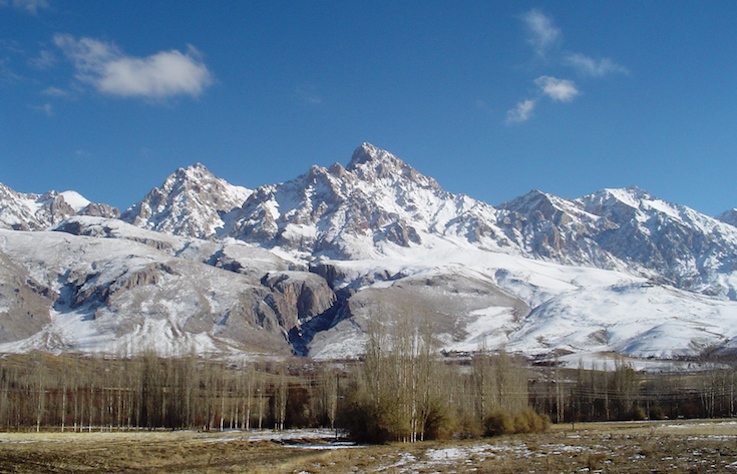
{"points": [[19, 211], [556, 229], [60, 291], [191, 202], [376, 201], [729, 217], [24, 302], [630, 230], [301, 266]]}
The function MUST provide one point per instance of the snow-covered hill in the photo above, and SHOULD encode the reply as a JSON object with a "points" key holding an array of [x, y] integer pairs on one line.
{"points": [[114, 288], [630, 230], [303, 265], [20, 211]]}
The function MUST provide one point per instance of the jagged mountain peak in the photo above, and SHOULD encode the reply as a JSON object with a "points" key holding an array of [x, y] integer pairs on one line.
{"points": [[191, 202], [193, 171], [636, 203], [535, 200], [369, 153], [375, 202], [189, 176], [32, 211], [537, 273], [631, 196], [370, 163], [639, 200], [728, 217]]}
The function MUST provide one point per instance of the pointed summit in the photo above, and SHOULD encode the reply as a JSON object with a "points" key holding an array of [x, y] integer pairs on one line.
{"points": [[367, 153], [631, 197], [533, 200], [190, 202], [193, 172], [370, 163], [375, 204], [728, 217]]}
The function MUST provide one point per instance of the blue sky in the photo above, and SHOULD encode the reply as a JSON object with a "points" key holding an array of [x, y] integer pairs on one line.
{"points": [[492, 99]]}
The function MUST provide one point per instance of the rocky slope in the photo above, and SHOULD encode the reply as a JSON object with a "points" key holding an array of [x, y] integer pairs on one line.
{"points": [[303, 265], [190, 202], [379, 205], [19, 211], [632, 231], [375, 205], [109, 287]]}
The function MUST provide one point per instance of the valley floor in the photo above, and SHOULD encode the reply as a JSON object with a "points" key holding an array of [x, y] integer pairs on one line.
{"points": [[667, 447]]}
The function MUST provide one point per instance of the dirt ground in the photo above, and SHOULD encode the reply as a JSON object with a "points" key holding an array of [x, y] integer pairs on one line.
{"points": [[650, 447]]}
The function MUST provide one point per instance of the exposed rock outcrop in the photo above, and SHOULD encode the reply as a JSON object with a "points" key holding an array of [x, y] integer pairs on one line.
{"points": [[24, 303]]}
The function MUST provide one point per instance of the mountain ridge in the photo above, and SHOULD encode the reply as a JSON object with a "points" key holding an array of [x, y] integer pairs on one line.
{"points": [[321, 254]]}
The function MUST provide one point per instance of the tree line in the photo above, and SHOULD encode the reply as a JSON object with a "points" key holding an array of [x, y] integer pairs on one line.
{"points": [[622, 393], [404, 395], [401, 390], [146, 391]]}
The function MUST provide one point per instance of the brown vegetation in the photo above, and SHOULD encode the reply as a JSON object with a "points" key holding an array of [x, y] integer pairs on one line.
{"points": [[400, 391], [575, 395], [656, 447]]}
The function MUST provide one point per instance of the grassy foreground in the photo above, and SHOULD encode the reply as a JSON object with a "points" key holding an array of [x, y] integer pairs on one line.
{"points": [[658, 447]]}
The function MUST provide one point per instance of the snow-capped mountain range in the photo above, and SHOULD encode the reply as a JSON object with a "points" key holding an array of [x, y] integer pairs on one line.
{"points": [[300, 266]]}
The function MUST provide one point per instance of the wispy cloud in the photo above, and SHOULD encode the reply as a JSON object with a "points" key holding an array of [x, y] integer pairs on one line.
{"points": [[522, 112], [543, 35], [542, 32], [546, 39], [55, 92], [587, 66], [560, 90], [557, 90], [159, 76], [9, 49], [308, 95], [7, 75], [29, 6], [45, 60], [46, 109]]}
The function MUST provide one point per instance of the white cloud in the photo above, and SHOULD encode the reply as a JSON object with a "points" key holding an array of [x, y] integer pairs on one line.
{"points": [[543, 34], [546, 39], [164, 74], [55, 92], [308, 95], [46, 109], [30, 6], [521, 112], [560, 90], [45, 60], [591, 67]]}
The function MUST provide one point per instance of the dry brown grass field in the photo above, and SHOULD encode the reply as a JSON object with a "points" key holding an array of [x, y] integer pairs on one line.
{"points": [[633, 447]]}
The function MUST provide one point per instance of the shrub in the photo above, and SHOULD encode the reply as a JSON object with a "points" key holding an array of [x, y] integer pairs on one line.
{"points": [[438, 424], [657, 413], [365, 423], [527, 421], [637, 413], [468, 426], [498, 423]]}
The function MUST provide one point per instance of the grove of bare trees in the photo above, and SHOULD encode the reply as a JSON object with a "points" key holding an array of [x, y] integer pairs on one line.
{"points": [[402, 390]]}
